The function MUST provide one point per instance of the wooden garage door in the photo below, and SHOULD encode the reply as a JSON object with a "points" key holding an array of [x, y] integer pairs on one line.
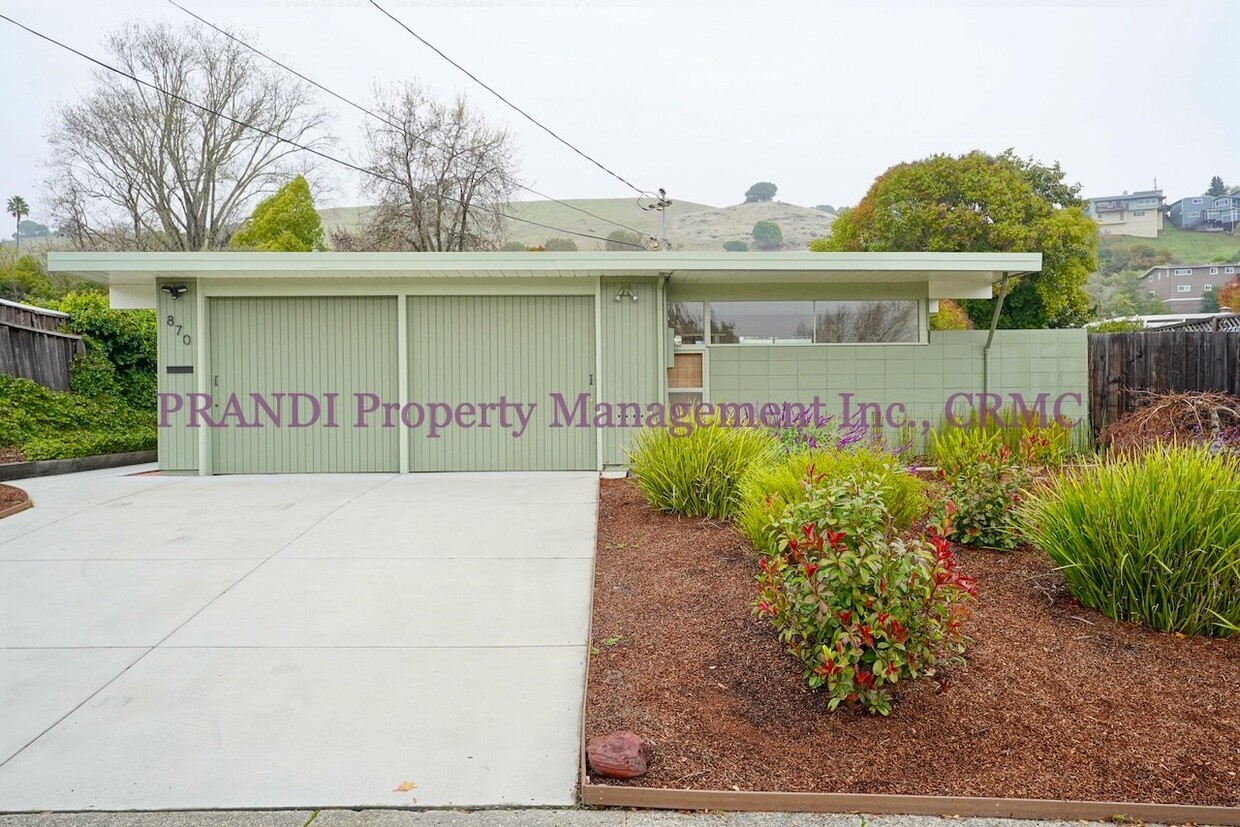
{"points": [[313, 345], [476, 349]]}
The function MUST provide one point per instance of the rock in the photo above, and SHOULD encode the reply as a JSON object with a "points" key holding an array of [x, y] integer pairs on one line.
{"points": [[618, 755]]}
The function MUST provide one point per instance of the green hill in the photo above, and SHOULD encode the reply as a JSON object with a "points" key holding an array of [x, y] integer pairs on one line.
{"points": [[1185, 247]]}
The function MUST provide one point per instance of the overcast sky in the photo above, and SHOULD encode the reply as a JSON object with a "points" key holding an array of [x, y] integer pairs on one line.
{"points": [[704, 99]]}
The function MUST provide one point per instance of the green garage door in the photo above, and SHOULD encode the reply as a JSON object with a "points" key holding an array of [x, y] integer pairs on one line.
{"points": [[476, 349], [313, 345]]}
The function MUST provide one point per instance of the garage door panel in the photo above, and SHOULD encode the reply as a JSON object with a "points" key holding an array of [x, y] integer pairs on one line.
{"points": [[523, 348], [312, 345]]}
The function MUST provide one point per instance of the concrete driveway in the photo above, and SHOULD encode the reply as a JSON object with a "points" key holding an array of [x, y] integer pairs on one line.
{"points": [[294, 641]]}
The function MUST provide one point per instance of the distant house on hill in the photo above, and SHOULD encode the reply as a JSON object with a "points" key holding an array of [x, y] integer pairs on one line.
{"points": [[1138, 213], [1208, 213], [1180, 287]]}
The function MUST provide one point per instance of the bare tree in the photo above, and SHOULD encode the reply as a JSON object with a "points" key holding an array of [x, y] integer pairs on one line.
{"points": [[441, 172], [138, 169]]}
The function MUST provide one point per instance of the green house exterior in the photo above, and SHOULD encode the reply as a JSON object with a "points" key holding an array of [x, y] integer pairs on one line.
{"points": [[341, 362]]}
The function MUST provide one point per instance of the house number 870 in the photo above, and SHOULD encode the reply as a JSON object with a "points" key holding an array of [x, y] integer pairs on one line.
{"points": [[172, 322]]}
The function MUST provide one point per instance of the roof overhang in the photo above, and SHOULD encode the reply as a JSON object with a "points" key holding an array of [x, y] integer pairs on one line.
{"points": [[945, 275]]}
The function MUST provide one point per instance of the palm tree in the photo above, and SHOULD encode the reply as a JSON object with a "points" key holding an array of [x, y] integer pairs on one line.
{"points": [[17, 208]]}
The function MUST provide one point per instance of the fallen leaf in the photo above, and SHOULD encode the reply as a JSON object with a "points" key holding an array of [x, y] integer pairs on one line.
{"points": [[405, 787]]}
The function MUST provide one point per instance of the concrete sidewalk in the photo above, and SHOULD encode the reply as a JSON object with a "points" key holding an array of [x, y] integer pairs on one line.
{"points": [[504, 818], [272, 642]]}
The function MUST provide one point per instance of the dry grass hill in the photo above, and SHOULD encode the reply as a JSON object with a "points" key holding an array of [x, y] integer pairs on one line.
{"points": [[691, 226]]}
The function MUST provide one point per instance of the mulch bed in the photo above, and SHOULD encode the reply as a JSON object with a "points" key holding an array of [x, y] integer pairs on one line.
{"points": [[8, 455], [1055, 701], [10, 496]]}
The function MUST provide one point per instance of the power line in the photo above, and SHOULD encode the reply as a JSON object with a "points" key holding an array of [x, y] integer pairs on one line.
{"points": [[511, 105], [288, 141], [379, 117]]}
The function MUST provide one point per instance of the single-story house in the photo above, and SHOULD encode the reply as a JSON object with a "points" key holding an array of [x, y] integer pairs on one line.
{"points": [[290, 362]]}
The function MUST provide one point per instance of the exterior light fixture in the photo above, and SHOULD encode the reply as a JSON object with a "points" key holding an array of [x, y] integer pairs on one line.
{"points": [[626, 292], [175, 290]]}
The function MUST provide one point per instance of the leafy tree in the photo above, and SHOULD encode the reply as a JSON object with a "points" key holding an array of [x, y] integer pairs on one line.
{"points": [[1229, 296], [17, 207], [513, 247], [440, 168], [135, 169], [559, 244], [1217, 187], [736, 246], [824, 208], [767, 235], [1136, 257], [285, 222], [624, 241], [950, 316], [1209, 301], [32, 229], [1120, 294], [761, 191], [25, 280], [983, 203]]}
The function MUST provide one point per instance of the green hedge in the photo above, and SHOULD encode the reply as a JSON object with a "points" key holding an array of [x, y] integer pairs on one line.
{"points": [[46, 424]]}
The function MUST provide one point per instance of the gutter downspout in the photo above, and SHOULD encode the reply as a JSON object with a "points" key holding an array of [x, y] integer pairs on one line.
{"points": [[994, 323]]}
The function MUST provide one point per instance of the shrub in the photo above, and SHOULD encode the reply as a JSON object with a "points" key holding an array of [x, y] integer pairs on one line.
{"points": [[767, 235], [950, 316], [857, 610], [1026, 435], [981, 497], [805, 433], [47, 424], [696, 474], [766, 489], [1151, 538], [1116, 326], [92, 375], [126, 338]]}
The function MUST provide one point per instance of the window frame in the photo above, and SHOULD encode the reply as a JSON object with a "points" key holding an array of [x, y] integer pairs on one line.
{"points": [[922, 324]]}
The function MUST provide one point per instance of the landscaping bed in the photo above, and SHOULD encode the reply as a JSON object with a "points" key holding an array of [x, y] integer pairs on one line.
{"points": [[11, 498], [1055, 700]]}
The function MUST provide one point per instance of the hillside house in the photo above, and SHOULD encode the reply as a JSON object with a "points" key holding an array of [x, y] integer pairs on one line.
{"points": [[1138, 213], [1181, 287]]}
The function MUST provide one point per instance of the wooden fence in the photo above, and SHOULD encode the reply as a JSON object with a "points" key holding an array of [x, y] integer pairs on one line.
{"points": [[1158, 360], [33, 345]]}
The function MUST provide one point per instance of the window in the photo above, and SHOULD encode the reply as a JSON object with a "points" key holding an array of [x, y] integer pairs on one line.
{"points": [[1229, 270], [685, 320], [1194, 215], [1183, 271], [1135, 213], [762, 322], [1214, 271], [1198, 201], [814, 322], [1207, 288], [865, 321], [1183, 288]]}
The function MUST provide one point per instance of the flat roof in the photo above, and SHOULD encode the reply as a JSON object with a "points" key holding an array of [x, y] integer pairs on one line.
{"points": [[965, 269]]}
